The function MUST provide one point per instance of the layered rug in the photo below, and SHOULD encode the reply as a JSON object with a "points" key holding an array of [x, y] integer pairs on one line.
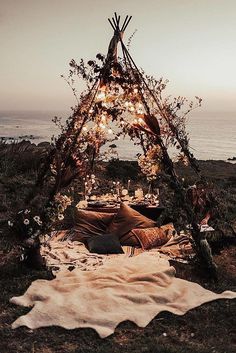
{"points": [[60, 253], [123, 288]]}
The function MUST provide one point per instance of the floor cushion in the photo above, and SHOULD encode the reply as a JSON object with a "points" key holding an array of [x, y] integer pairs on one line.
{"points": [[104, 244], [125, 220], [90, 223], [153, 237]]}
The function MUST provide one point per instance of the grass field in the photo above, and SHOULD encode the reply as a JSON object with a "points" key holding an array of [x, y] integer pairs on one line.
{"points": [[209, 328]]}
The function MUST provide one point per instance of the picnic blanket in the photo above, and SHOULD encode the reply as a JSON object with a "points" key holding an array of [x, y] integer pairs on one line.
{"points": [[124, 288], [66, 254], [60, 253]]}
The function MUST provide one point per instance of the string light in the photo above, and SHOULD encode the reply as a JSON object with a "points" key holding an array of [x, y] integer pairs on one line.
{"points": [[101, 95], [102, 126]]}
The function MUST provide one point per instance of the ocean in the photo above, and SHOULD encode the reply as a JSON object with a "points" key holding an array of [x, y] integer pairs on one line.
{"points": [[212, 135]]}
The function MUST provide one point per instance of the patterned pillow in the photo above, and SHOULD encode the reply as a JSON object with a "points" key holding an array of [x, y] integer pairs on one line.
{"points": [[125, 220], [153, 237]]}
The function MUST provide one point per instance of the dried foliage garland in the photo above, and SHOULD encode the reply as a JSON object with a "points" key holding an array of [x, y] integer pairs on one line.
{"points": [[120, 100]]}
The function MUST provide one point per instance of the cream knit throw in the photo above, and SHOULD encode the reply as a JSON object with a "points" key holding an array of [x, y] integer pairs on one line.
{"points": [[135, 289]]}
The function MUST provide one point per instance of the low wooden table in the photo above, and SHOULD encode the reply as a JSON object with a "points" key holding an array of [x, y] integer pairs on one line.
{"points": [[152, 212]]}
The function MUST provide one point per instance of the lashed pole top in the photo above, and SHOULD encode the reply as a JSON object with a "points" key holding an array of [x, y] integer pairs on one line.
{"points": [[118, 34]]}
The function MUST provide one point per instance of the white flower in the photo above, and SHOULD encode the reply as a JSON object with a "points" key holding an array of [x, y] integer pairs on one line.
{"points": [[37, 220], [27, 211], [26, 221], [10, 224], [60, 217]]}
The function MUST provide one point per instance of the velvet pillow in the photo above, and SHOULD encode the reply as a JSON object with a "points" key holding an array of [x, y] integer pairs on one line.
{"points": [[153, 237], [104, 244], [125, 220], [130, 239], [90, 223]]}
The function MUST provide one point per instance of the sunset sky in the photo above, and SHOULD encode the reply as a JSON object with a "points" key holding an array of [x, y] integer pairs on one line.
{"points": [[190, 42]]}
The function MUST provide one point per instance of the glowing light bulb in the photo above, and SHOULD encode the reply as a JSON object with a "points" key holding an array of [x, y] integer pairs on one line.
{"points": [[101, 95], [90, 111], [85, 128], [131, 109], [110, 131], [102, 126]]}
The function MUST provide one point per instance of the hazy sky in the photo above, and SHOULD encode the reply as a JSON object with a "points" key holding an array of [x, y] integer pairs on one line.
{"points": [[192, 43]]}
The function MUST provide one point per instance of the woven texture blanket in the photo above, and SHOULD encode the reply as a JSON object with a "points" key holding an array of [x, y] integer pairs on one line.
{"points": [[60, 253], [135, 289]]}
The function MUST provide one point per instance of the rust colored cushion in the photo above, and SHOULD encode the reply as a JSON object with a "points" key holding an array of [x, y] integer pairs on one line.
{"points": [[90, 223], [130, 239], [125, 220], [153, 237]]}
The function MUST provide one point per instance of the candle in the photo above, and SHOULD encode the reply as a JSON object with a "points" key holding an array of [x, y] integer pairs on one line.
{"points": [[128, 186], [138, 194]]}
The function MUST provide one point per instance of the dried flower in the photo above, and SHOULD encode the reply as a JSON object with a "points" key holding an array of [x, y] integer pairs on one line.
{"points": [[150, 163]]}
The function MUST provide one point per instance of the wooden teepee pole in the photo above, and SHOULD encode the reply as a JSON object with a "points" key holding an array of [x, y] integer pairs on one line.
{"points": [[201, 244]]}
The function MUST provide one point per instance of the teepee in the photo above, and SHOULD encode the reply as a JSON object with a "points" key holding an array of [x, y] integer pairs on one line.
{"points": [[119, 93]]}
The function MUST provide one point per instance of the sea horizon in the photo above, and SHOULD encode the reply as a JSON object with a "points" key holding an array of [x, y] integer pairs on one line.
{"points": [[212, 134]]}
